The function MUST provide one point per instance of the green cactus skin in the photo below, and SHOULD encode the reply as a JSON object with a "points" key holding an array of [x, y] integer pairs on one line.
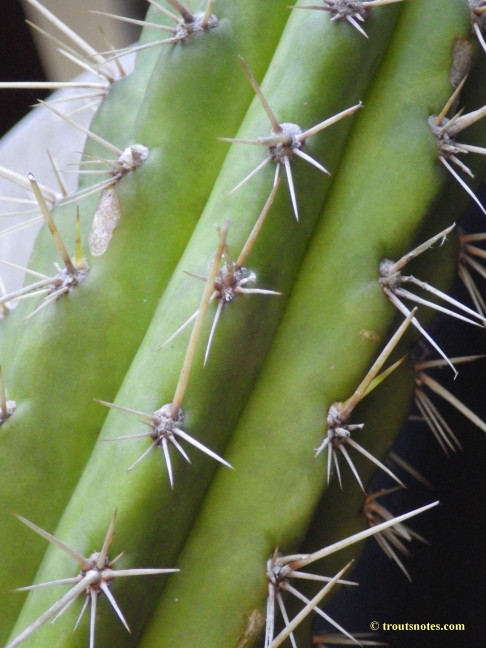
{"points": [[118, 283], [244, 518], [242, 209], [274, 411]]}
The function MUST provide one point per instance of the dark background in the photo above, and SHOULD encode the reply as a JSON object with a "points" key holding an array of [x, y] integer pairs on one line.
{"points": [[18, 62], [448, 574]]}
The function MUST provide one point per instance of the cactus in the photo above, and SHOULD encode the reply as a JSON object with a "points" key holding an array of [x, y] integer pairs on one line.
{"points": [[216, 416]]}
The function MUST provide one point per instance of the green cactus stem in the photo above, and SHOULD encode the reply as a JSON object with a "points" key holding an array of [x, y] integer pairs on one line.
{"points": [[207, 449]]}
